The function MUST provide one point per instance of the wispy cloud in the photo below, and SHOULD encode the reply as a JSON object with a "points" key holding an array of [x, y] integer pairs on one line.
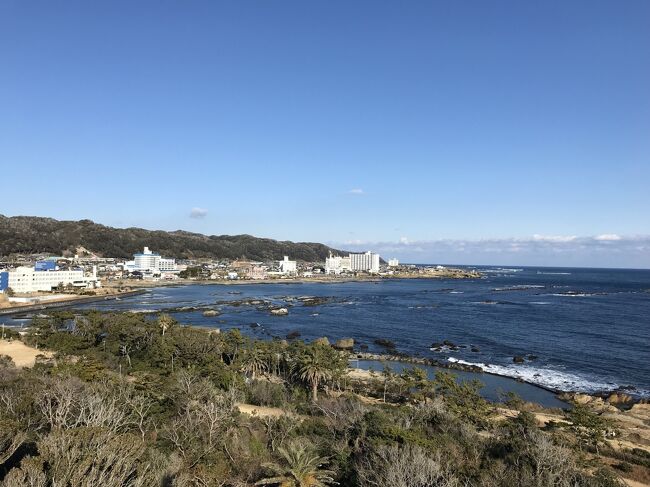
{"points": [[607, 250], [356, 191], [608, 237], [198, 212], [554, 238]]}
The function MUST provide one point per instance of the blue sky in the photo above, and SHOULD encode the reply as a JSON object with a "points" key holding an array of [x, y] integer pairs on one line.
{"points": [[386, 124]]}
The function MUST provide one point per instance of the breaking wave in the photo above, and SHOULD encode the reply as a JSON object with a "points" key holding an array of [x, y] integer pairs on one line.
{"points": [[549, 378]]}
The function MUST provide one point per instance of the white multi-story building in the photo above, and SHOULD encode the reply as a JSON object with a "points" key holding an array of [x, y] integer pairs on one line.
{"points": [[393, 263], [30, 280], [149, 262], [335, 264], [167, 265], [288, 266], [368, 262]]}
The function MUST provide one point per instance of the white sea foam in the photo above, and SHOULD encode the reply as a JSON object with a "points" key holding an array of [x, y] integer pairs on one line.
{"points": [[539, 302], [521, 287], [501, 269], [573, 295], [551, 378], [456, 292]]}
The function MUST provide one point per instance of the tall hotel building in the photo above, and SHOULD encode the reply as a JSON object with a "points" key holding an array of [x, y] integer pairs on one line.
{"points": [[368, 262]]}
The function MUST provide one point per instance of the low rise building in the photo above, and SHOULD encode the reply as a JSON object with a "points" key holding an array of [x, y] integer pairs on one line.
{"points": [[257, 272]]}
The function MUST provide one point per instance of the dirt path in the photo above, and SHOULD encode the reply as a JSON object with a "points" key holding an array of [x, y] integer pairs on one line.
{"points": [[21, 354], [264, 411]]}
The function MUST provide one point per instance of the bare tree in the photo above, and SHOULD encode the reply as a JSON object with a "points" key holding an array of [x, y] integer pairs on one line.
{"points": [[140, 406], [89, 457], [278, 429], [11, 438], [186, 379], [30, 474], [405, 466], [202, 427], [69, 403]]}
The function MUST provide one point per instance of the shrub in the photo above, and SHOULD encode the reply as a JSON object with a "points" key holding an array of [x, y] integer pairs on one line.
{"points": [[264, 393]]}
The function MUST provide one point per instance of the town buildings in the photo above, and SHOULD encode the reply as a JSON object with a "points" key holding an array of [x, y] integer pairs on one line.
{"points": [[365, 262], [393, 263], [45, 276]]}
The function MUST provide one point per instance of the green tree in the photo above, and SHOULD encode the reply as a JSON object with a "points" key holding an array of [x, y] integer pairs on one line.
{"points": [[302, 468], [318, 364], [165, 322], [253, 362], [588, 426], [463, 398]]}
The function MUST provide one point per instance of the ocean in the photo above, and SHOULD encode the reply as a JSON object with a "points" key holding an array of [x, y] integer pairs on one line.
{"points": [[584, 330]]}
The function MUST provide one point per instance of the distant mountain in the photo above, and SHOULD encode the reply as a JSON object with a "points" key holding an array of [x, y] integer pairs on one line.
{"points": [[29, 235]]}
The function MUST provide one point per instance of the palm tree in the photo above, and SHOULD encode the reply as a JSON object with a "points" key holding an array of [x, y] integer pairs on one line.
{"points": [[253, 362], [314, 367], [165, 322], [302, 469]]}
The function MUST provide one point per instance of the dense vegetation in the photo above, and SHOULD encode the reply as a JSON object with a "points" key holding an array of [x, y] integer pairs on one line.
{"points": [[136, 401], [28, 235]]}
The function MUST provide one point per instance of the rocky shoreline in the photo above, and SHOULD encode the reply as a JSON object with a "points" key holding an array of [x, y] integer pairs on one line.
{"points": [[16, 310], [618, 398]]}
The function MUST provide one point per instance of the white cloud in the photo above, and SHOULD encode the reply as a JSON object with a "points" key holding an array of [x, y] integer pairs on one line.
{"points": [[356, 191], [608, 237], [198, 212], [543, 250], [554, 238]]}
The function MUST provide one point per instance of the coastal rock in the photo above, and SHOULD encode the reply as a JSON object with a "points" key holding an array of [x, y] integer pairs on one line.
{"points": [[444, 345], [313, 300], [518, 359], [210, 313], [293, 335], [619, 399], [475, 349], [344, 344], [532, 357], [595, 403], [383, 342], [322, 341], [280, 312]]}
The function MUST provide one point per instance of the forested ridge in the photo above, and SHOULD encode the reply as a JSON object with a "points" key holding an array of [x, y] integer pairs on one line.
{"points": [[29, 235]]}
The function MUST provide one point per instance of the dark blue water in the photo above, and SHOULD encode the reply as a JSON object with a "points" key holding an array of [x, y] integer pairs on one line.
{"points": [[589, 329]]}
